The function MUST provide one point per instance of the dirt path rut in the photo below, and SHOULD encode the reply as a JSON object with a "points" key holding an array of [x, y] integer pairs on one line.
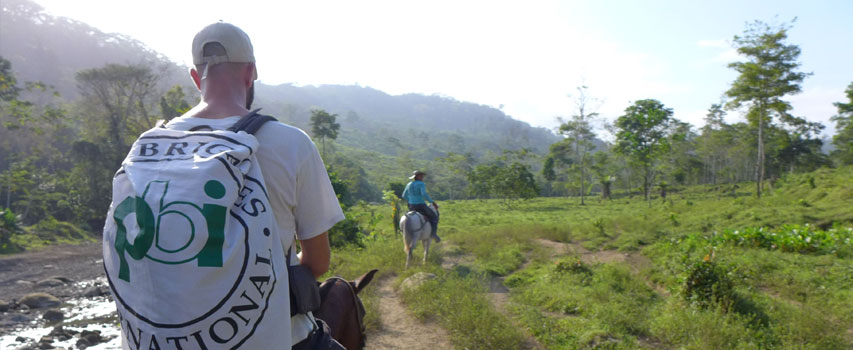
{"points": [[399, 330]]}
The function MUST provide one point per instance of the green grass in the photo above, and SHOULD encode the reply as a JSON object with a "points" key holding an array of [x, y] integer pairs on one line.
{"points": [[791, 276], [457, 302]]}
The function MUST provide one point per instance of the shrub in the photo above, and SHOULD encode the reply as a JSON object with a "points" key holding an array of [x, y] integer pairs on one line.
{"points": [[346, 233], [708, 284], [8, 225], [573, 265]]}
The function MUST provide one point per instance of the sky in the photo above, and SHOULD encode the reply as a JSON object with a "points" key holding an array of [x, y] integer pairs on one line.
{"points": [[525, 57]]}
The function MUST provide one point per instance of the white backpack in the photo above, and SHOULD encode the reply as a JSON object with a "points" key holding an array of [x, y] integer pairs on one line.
{"points": [[191, 248]]}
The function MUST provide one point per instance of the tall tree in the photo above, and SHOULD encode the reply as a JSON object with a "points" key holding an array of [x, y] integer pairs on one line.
{"points": [[641, 135], [768, 74], [119, 98], [323, 125], [843, 139], [578, 133]]}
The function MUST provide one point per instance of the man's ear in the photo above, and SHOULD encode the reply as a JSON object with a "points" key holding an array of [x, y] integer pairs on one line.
{"points": [[196, 78], [249, 75]]}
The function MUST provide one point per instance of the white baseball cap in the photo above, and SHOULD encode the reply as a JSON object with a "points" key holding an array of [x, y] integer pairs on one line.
{"points": [[238, 47]]}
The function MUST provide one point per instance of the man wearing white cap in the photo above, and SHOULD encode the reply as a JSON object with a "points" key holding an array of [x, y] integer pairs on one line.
{"points": [[300, 194]]}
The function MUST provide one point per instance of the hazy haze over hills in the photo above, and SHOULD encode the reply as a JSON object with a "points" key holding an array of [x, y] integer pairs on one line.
{"points": [[52, 49]]}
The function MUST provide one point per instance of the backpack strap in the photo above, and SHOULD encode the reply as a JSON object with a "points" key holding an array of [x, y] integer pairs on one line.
{"points": [[251, 122]]}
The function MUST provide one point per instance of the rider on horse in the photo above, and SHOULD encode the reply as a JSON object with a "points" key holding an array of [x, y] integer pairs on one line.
{"points": [[416, 196]]}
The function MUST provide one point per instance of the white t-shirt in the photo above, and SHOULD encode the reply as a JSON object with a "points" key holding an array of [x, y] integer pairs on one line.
{"points": [[302, 198]]}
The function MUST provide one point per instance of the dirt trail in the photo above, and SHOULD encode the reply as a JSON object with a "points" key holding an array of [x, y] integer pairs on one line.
{"points": [[399, 330], [498, 294]]}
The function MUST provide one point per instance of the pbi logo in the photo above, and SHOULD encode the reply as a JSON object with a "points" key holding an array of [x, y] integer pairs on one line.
{"points": [[179, 231]]}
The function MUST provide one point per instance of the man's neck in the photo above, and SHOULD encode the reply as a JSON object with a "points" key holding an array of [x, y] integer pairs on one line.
{"points": [[216, 110]]}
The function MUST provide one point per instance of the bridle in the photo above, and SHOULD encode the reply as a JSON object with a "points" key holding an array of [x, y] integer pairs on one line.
{"points": [[359, 307]]}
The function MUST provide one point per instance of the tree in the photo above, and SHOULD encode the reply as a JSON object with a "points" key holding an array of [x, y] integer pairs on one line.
{"points": [[323, 125], [34, 138], [682, 166], [578, 137], [9, 89], [768, 74], [714, 143], [559, 157], [457, 166], [507, 177], [604, 170], [121, 97], [116, 105], [173, 104], [641, 136], [843, 139]]}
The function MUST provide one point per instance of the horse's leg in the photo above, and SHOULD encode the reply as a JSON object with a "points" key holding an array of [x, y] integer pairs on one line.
{"points": [[408, 254], [411, 243], [426, 244]]}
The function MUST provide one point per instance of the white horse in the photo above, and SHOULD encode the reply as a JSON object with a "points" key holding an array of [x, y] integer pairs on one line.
{"points": [[416, 227]]}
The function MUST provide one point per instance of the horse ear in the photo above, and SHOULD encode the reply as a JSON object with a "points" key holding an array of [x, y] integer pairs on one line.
{"points": [[364, 280]]}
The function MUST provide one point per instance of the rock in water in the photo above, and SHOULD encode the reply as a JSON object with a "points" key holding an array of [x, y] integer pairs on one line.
{"points": [[61, 278], [46, 342], [21, 339], [4, 306], [53, 316], [82, 343], [94, 291], [416, 280], [39, 300], [91, 337], [23, 283], [50, 282]]}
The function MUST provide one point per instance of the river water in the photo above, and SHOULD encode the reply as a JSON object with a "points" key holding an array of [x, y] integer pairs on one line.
{"points": [[93, 314]]}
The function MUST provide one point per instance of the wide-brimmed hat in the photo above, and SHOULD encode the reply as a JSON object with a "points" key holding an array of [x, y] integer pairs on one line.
{"points": [[416, 173]]}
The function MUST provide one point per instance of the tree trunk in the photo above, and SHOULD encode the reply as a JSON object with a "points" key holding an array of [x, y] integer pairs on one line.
{"points": [[759, 174], [582, 187]]}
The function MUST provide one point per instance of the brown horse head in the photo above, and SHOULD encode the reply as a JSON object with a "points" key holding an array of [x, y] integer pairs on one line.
{"points": [[342, 310]]}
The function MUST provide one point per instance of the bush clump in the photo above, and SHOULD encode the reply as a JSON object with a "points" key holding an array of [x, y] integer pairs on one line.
{"points": [[708, 284], [572, 266]]}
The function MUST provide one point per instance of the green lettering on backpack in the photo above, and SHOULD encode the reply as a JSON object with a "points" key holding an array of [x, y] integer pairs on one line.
{"points": [[143, 240], [210, 254]]}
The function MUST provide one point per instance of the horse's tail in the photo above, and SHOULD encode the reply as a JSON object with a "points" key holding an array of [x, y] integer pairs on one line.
{"points": [[411, 225]]}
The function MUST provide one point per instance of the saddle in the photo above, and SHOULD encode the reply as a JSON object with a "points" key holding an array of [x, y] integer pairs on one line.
{"points": [[422, 219]]}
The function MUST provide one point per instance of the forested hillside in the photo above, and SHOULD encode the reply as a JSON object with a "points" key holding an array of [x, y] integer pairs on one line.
{"points": [[427, 126], [415, 128]]}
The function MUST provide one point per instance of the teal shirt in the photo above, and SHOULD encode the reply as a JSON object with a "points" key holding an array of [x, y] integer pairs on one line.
{"points": [[415, 193]]}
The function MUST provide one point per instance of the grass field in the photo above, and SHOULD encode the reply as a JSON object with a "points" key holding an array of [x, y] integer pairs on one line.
{"points": [[709, 267]]}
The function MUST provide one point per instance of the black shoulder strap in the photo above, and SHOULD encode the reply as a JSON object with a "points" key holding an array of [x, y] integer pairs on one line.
{"points": [[251, 122]]}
